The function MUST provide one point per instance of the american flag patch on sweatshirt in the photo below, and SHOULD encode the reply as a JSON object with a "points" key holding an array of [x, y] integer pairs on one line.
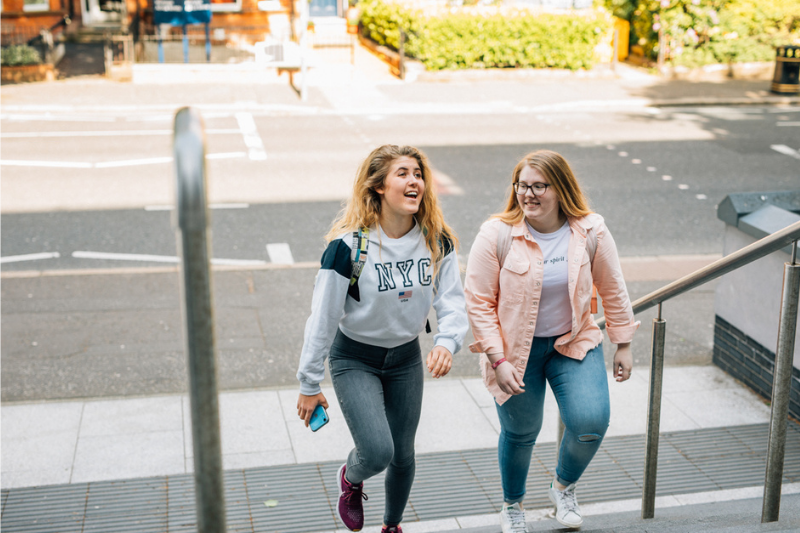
{"points": [[404, 294]]}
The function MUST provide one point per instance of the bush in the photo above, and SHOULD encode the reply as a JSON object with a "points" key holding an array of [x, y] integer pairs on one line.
{"points": [[699, 32], [488, 39], [19, 55]]}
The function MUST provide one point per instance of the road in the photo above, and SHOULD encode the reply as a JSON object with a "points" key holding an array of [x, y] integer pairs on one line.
{"points": [[96, 201]]}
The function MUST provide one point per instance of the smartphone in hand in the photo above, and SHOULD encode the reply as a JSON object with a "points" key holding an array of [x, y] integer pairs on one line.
{"points": [[318, 418]]}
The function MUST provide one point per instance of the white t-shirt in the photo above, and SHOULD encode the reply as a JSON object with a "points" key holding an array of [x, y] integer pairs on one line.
{"points": [[555, 312]]}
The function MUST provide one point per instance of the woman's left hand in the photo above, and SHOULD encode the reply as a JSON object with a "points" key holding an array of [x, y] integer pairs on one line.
{"points": [[440, 361], [623, 362]]}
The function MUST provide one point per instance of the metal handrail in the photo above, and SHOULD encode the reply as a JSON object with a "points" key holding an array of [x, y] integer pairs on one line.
{"points": [[191, 222], [783, 361], [737, 259]]}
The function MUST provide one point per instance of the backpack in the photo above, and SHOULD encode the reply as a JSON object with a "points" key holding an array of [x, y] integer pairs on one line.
{"points": [[504, 245]]}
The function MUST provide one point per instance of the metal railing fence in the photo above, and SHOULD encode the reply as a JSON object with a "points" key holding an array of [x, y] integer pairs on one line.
{"points": [[781, 387]]}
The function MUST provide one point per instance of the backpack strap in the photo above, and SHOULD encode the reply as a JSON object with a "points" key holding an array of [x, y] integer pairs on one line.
{"points": [[591, 247], [358, 258], [503, 243], [358, 255]]}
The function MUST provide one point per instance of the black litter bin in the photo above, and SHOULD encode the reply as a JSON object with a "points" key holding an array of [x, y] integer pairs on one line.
{"points": [[787, 70]]}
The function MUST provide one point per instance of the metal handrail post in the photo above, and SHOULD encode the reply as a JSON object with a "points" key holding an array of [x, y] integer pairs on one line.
{"points": [[653, 417], [191, 224], [781, 387]]}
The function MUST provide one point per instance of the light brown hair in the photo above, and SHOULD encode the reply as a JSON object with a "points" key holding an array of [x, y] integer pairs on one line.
{"points": [[571, 200], [364, 207]]}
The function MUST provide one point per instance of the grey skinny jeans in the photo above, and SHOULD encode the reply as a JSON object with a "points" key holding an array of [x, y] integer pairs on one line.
{"points": [[380, 393]]}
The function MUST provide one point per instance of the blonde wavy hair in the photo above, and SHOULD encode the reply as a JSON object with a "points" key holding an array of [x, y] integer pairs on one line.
{"points": [[364, 207], [552, 165]]}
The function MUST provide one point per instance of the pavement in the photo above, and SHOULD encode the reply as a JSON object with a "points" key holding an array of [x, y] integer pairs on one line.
{"points": [[57, 444]]}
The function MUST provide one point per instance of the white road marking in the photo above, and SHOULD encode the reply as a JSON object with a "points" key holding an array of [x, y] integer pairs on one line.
{"points": [[280, 253], [683, 186], [109, 164], [238, 262], [700, 196], [210, 206], [47, 164], [125, 257], [29, 257], [635, 162], [161, 258], [226, 155], [666, 178], [445, 184], [785, 150], [110, 133], [623, 154], [651, 169], [251, 137], [133, 162], [788, 123]]}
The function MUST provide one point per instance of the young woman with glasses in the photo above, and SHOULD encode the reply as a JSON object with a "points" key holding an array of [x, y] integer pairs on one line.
{"points": [[529, 288], [370, 327]]}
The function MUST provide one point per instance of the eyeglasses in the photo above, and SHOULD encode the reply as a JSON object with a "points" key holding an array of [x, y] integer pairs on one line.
{"points": [[538, 189]]}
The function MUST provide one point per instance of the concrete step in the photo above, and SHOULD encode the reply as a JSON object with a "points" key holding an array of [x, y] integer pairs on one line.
{"points": [[734, 516]]}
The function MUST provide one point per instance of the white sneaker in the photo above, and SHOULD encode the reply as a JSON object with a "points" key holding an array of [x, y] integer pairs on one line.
{"points": [[568, 512], [512, 519]]}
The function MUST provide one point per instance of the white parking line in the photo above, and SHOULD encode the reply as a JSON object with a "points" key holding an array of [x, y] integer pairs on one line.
{"points": [[110, 133], [125, 257], [280, 253], [110, 164], [29, 257], [47, 164], [133, 162], [788, 123], [785, 150], [161, 258], [210, 206], [251, 138]]}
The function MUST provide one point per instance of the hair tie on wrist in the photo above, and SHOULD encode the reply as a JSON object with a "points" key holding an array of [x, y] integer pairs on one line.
{"points": [[497, 363]]}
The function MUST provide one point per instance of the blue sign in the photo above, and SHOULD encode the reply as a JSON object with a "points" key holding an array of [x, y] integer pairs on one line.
{"points": [[181, 12]]}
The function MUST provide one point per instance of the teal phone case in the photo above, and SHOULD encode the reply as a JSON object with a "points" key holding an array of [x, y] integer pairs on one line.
{"points": [[318, 418]]}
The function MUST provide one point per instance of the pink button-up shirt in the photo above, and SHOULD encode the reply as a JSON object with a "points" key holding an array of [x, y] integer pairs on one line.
{"points": [[503, 303]]}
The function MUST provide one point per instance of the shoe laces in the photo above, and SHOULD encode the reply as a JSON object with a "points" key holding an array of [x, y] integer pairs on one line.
{"points": [[517, 520], [568, 499], [354, 493]]}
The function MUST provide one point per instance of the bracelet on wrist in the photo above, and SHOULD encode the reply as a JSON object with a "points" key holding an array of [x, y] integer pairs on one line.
{"points": [[498, 362]]}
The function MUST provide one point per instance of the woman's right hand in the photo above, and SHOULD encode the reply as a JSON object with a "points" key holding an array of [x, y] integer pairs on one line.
{"points": [[509, 379], [307, 404]]}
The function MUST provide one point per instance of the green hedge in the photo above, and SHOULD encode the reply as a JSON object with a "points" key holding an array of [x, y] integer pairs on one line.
{"points": [[463, 40], [700, 32], [19, 55]]}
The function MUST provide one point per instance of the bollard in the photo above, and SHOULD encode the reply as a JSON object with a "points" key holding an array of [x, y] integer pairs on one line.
{"points": [[191, 225], [781, 387], [653, 417]]}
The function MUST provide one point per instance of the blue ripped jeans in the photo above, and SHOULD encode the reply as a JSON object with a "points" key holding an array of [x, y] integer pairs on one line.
{"points": [[581, 390]]}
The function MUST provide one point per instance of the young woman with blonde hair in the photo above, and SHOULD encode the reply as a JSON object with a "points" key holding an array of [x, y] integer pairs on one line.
{"points": [[529, 288], [367, 314]]}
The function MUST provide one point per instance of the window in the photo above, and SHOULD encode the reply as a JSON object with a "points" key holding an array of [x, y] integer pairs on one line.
{"points": [[36, 5], [225, 5]]}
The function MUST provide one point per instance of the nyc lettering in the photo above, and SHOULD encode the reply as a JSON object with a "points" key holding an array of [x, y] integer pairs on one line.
{"points": [[386, 274]]}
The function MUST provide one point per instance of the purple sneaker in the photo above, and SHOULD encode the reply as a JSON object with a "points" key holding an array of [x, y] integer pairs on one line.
{"points": [[350, 510], [393, 529]]}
